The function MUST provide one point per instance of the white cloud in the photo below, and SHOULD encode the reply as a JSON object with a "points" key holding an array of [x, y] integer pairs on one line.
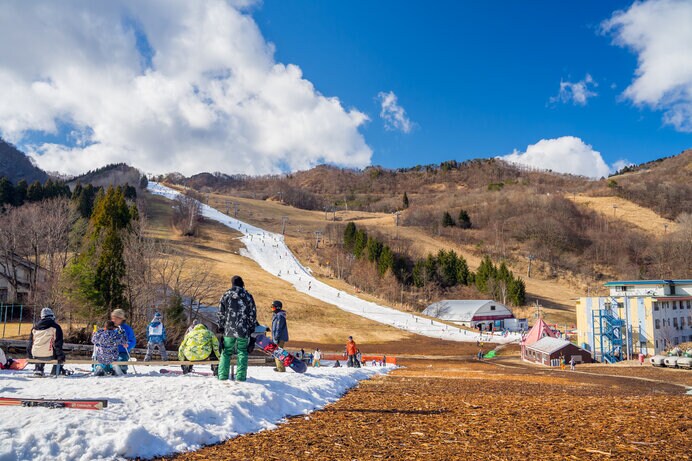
{"points": [[660, 33], [567, 154], [577, 92], [393, 114], [210, 96]]}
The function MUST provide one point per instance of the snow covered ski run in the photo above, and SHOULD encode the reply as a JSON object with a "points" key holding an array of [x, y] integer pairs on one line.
{"points": [[270, 251], [98, 404]]}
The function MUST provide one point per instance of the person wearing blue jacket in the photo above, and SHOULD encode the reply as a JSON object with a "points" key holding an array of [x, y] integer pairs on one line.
{"points": [[279, 330], [156, 338], [118, 318]]}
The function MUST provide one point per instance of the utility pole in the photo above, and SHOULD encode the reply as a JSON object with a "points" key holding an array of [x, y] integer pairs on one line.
{"points": [[284, 220], [528, 273], [228, 207], [665, 228], [235, 210], [318, 234]]}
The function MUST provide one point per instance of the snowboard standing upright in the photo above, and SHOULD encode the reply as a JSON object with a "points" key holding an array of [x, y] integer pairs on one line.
{"points": [[270, 348]]}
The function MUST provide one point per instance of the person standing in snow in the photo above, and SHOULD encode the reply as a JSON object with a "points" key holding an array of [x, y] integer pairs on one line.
{"points": [[351, 351], [238, 319], [156, 338], [106, 343], [316, 357], [279, 331], [198, 345], [572, 362], [118, 318], [45, 342]]}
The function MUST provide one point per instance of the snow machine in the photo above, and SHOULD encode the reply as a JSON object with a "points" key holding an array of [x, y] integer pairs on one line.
{"points": [[657, 360]]}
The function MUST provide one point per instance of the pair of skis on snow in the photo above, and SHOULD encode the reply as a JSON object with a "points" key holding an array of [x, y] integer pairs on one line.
{"points": [[95, 404]]}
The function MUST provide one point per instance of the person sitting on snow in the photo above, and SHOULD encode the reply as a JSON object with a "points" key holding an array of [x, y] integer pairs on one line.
{"points": [[106, 343], [118, 318], [156, 338], [197, 346], [45, 342], [5, 362]]}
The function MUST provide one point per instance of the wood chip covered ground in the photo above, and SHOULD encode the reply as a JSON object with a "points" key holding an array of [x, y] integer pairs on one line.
{"points": [[504, 410]]}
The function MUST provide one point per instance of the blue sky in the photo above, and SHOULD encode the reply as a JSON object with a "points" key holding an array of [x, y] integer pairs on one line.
{"points": [[245, 86], [475, 77]]}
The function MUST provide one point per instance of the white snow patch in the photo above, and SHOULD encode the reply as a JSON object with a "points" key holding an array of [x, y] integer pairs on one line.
{"points": [[271, 253], [150, 414]]}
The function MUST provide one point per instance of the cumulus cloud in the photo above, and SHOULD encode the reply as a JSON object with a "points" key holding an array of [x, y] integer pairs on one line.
{"points": [[577, 92], [659, 32], [164, 85], [393, 114], [567, 154]]}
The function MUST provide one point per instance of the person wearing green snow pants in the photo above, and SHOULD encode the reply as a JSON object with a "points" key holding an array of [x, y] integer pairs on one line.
{"points": [[230, 346], [237, 319]]}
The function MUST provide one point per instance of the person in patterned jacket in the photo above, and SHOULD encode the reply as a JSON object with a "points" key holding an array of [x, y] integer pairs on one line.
{"points": [[106, 342], [197, 345], [237, 319]]}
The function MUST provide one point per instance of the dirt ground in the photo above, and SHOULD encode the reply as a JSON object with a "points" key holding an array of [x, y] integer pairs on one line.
{"points": [[469, 410]]}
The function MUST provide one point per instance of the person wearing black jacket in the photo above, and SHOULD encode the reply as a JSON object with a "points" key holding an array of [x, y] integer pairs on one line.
{"points": [[45, 341], [237, 319]]}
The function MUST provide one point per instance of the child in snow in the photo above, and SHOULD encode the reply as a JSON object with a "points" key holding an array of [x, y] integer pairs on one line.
{"points": [[106, 342], [316, 357], [337, 364], [45, 341], [572, 363], [156, 338], [198, 345], [359, 358]]}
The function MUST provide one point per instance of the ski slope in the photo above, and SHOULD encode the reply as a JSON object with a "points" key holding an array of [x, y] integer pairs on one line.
{"points": [[270, 251], [150, 414]]}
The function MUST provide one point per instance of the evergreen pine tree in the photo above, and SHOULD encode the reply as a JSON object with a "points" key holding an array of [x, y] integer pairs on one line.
{"points": [[447, 220], [35, 192], [405, 201], [386, 261], [349, 236], [464, 220]]}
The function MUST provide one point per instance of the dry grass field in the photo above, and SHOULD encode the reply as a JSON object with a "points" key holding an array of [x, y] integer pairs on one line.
{"points": [[624, 210]]}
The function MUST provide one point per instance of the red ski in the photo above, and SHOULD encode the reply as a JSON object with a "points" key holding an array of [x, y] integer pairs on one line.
{"points": [[96, 404]]}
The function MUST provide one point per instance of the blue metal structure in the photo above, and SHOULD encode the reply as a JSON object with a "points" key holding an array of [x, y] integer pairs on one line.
{"points": [[608, 334]]}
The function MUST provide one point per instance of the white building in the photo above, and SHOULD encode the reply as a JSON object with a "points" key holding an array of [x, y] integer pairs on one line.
{"points": [[471, 312], [647, 316], [16, 277]]}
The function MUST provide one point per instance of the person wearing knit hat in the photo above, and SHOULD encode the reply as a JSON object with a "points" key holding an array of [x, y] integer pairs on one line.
{"points": [[45, 341], [156, 338], [279, 330], [118, 317], [237, 318]]}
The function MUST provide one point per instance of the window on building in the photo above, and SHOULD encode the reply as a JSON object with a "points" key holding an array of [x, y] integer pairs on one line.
{"points": [[675, 322], [689, 304], [675, 305], [655, 305], [658, 325], [657, 344], [492, 308], [682, 322]]}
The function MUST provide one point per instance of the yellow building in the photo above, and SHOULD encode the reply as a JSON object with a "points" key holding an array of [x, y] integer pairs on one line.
{"points": [[647, 316]]}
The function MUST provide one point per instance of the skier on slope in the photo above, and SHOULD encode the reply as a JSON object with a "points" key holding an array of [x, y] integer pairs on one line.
{"points": [[198, 345], [279, 330], [106, 343], [118, 318], [156, 338], [237, 319], [45, 341]]}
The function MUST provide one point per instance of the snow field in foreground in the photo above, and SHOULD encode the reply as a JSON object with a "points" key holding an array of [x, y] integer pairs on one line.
{"points": [[150, 414], [269, 250]]}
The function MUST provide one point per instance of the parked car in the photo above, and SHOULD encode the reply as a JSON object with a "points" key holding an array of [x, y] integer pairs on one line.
{"points": [[671, 361], [685, 362], [657, 360]]}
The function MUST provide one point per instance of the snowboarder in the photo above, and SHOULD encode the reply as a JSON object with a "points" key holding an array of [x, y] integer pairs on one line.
{"points": [[118, 318], [316, 357], [156, 338], [45, 342], [279, 330], [351, 351], [237, 318], [198, 345], [106, 343]]}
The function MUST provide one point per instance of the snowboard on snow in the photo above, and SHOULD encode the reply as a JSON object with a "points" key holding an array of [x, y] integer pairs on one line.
{"points": [[95, 404], [164, 371], [269, 347]]}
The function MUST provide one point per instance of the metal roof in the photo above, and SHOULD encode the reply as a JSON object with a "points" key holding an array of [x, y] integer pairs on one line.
{"points": [[462, 310], [647, 282], [548, 345]]}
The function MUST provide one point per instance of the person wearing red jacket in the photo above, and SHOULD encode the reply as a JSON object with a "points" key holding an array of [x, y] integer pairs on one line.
{"points": [[351, 351]]}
